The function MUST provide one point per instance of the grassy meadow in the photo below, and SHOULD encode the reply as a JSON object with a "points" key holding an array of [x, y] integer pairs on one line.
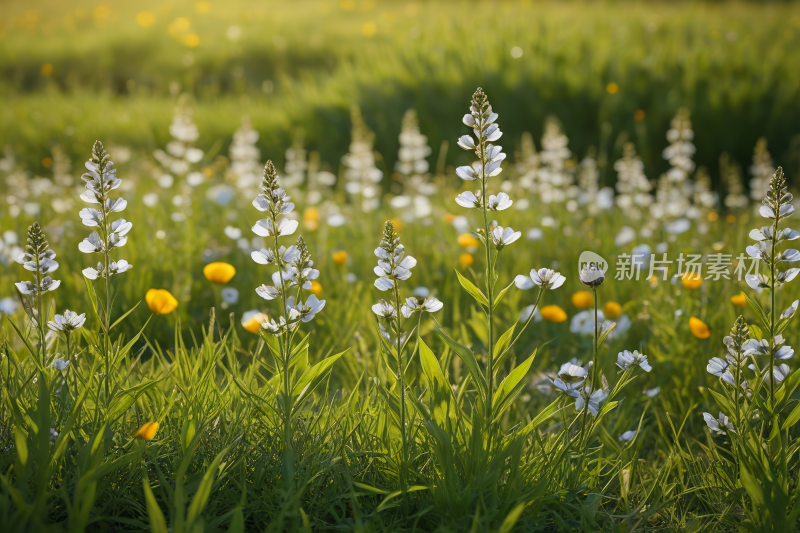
{"points": [[408, 371]]}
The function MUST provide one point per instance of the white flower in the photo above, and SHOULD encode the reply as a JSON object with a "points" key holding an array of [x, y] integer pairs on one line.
{"points": [[499, 202], [504, 236], [469, 200], [268, 292], [68, 322], [384, 309], [430, 304], [264, 227], [650, 393], [716, 366], [626, 359], [627, 436], [718, 425], [544, 278], [595, 400], [59, 364], [572, 373], [790, 311], [466, 173], [583, 322], [780, 372], [757, 281], [787, 276]]}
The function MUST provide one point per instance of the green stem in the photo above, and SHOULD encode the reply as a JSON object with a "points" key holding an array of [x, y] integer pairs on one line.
{"points": [[489, 289], [772, 314], [401, 376]]}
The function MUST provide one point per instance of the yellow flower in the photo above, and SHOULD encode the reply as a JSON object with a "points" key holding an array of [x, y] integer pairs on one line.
{"points": [[316, 288], [699, 328], [311, 213], [553, 313], [653, 280], [691, 281], [145, 19], [398, 224], [468, 241], [253, 324], [449, 218], [160, 301], [47, 69], [340, 257], [612, 88], [739, 300], [146, 432], [582, 299], [465, 260], [612, 309], [219, 272]]}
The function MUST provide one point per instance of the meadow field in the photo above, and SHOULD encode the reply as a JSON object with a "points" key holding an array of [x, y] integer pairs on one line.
{"points": [[399, 266]]}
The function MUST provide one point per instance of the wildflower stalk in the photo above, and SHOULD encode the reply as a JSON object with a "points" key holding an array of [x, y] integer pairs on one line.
{"points": [[100, 181]]}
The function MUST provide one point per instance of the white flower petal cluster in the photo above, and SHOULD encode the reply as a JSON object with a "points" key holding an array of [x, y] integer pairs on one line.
{"points": [[181, 155], [762, 170], [626, 360], [543, 278], [40, 260], [416, 303], [393, 264], [594, 400], [501, 236], [361, 173], [101, 179], [384, 309], [412, 165], [245, 156], [556, 183], [68, 322], [632, 184], [718, 425], [776, 207], [627, 436], [295, 269]]}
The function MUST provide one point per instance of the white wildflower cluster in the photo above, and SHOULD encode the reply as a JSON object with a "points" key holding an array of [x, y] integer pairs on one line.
{"points": [[731, 174], [39, 259], [295, 267], [296, 165], [527, 167], [704, 199], [393, 267], [761, 170], [591, 197], [674, 188], [360, 172], [412, 165], [634, 188], [245, 156], [555, 180], [181, 155], [776, 207], [485, 131], [101, 179], [9, 247]]}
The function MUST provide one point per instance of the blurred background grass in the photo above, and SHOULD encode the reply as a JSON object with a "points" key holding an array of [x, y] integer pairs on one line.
{"points": [[79, 70]]}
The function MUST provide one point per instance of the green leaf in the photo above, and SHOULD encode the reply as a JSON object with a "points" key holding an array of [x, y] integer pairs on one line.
{"points": [[602, 337], [157, 522], [21, 442], [501, 294], [756, 332], [312, 377], [204, 490], [474, 291], [543, 415], [758, 311], [500, 348], [792, 419], [384, 504], [722, 401], [440, 390], [129, 311], [468, 357], [512, 518], [510, 388]]}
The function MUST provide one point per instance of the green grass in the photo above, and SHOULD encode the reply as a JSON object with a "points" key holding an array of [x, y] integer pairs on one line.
{"points": [[311, 432]]}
